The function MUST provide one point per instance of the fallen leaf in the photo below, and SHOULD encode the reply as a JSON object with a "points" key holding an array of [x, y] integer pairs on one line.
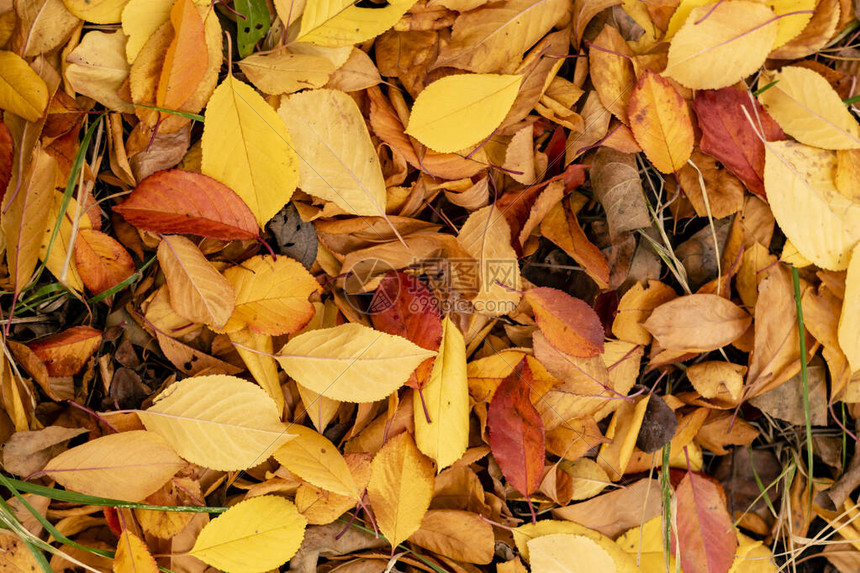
{"points": [[102, 262], [516, 432], [97, 68], [259, 163], [128, 466], [442, 407], [568, 323], [720, 45], [400, 488], [97, 11], [660, 122], [317, 461], [132, 555], [460, 535], [253, 536], [192, 417], [337, 161], [283, 72], [456, 112], [705, 530], [22, 91], [697, 323], [65, 353], [351, 362], [564, 552], [635, 307], [849, 339], [176, 201], [198, 292], [342, 23], [617, 186]]}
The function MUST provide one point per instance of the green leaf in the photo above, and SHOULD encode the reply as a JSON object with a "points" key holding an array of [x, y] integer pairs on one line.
{"points": [[253, 23]]}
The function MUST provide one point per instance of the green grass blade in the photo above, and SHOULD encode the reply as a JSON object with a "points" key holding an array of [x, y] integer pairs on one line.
{"points": [[804, 376], [185, 114]]}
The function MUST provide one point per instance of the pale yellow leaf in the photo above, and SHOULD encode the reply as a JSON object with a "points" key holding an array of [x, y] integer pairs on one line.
{"points": [[197, 290], [220, 422], [401, 487], [256, 535], [714, 378], [357, 73], [256, 351], [140, 19], [486, 237], [25, 216], [321, 410], [246, 146], [820, 222], [283, 72], [342, 23], [458, 111], [132, 555], [58, 257], [445, 400], [495, 37], [337, 160], [313, 458], [588, 478], [565, 552], [351, 362], [530, 531], [97, 11], [849, 330], [97, 68], [129, 466], [721, 49], [271, 295], [807, 108], [660, 121], [22, 91]]}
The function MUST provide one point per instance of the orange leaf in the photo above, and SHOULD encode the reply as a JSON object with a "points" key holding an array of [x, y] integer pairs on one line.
{"points": [[705, 529], [660, 122], [568, 323], [64, 354], [186, 60], [177, 201], [102, 262]]}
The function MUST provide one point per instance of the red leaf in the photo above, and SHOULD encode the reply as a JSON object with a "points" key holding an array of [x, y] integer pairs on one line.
{"points": [[177, 201], [102, 262], [64, 354], [403, 305], [705, 529], [6, 153], [516, 431], [728, 136], [568, 323]]}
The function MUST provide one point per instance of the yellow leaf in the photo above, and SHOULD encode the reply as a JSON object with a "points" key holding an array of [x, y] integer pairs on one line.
{"points": [[97, 11], [338, 161], [271, 295], [256, 535], [589, 479], [719, 46], [246, 147], [715, 378], [445, 436], [342, 23], [351, 362], [486, 237], [283, 72], [16, 554], [219, 422], [849, 333], [564, 552], [97, 68], [494, 37], [256, 350], [22, 91], [680, 15], [140, 20], [530, 531], [132, 555], [56, 259], [635, 307], [822, 223], [807, 108], [313, 458], [456, 112], [660, 121], [129, 466], [25, 216], [401, 487], [789, 27], [197, 290]]}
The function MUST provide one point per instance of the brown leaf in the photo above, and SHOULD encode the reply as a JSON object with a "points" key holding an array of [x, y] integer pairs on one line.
{"points": [[460, 535], [697, 323]]}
